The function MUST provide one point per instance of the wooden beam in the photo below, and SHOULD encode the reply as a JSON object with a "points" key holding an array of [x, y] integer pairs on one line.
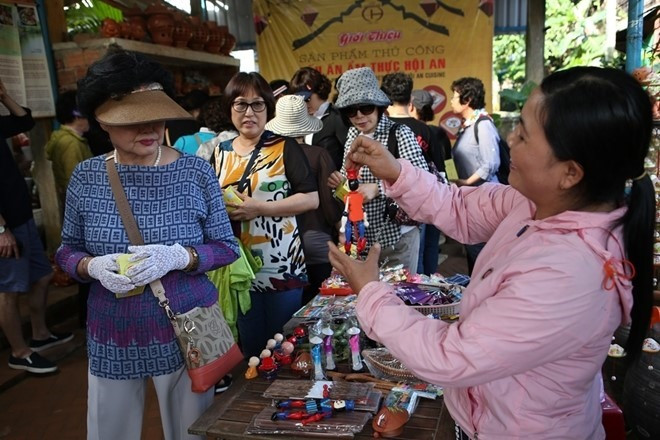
{"points": [[56, 20], [535, 41]]}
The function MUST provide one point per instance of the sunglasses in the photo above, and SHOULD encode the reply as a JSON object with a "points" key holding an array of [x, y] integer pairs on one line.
{"points": [[352, 111]]}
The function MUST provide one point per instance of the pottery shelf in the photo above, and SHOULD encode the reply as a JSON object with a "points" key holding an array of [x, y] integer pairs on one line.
{"points": [[168, 55]]}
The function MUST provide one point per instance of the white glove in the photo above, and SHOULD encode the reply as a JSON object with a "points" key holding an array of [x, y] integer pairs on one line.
{"points": [[156, 260], [105, 270]]}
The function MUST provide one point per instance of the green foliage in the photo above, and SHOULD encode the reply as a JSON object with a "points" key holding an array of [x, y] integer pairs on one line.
{"points": [[87, 16], [575, 36], [515, 99]]}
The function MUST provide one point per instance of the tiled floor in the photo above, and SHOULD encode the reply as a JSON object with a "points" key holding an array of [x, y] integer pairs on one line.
{"points": [[54, 406]]}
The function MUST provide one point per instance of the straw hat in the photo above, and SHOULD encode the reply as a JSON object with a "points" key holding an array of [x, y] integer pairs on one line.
{"points": [[292, 119], [360, 86], [145, 104]]}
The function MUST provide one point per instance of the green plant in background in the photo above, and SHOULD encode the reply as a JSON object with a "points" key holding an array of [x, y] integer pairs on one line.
{"points": [[575, 35], [86, 16]]}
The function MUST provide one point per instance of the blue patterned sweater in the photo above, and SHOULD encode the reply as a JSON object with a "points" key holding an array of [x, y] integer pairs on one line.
{"points": [[179, 202]]}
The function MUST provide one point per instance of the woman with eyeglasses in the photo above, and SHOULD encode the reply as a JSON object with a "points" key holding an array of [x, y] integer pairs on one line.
{"points": [[271, 176], [363, 103]]}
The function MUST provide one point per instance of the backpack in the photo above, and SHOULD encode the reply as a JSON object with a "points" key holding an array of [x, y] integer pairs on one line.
{"points": [[505, 154]]}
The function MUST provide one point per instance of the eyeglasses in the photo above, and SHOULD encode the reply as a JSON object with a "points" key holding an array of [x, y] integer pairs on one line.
{"points": [[351, 112], [242, 106]]}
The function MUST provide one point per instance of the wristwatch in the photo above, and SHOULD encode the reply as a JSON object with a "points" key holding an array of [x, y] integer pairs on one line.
{"points": [[2, 229]]}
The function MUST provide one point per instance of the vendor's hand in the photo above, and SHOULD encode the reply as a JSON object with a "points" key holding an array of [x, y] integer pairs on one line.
{"points": [[460, 182], [371, 153], [357, 273], [105, 269], [154, 261], [8, 245], [335, 179], [369, 191]]}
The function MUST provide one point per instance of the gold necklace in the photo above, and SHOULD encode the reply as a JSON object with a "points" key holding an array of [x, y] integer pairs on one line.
{"points": [[158, 155]]}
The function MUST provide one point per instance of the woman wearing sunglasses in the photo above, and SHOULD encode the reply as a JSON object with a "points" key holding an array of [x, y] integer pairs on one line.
{"points": [[363, 103], [271, 176]]}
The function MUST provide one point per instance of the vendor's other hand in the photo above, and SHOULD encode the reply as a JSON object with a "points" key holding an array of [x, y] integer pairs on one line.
{"points": [[105, 269], [8, 245], [335, 179], [249, 209], [154, 261], [371, 153], [357, 273]]}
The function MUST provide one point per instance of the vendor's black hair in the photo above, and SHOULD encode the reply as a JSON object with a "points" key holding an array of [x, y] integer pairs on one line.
{"points": [[308, 78], [398, 87], [193, 100], [119, 72], [601, 118], [471, 92], [65, 106], [241, 84]]}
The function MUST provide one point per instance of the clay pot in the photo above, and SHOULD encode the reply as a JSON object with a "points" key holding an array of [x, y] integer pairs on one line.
{"points": [[200, 34], [138, 24], [182, 31], [302, 364], [160, 24], [215, 40], [125, 29], [110, 28], [230, 42]]}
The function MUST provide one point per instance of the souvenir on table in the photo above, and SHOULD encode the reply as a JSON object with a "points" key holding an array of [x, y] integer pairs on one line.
{"points": [[354, 218], [316, 357], [328, 349], [332, 425], [383, 365], [319, 389], [354, 344], [302, 365], [252, 372], [268, 368]]}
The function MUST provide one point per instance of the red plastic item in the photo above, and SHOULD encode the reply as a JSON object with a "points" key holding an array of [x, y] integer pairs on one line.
{"points": [[613, 420], [339, 291]]}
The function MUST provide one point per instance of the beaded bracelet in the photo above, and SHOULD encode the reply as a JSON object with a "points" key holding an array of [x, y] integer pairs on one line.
{"points": [[194, 260]]}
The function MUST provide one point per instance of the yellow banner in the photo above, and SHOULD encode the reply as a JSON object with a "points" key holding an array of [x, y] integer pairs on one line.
{"points": [[436, 41]]}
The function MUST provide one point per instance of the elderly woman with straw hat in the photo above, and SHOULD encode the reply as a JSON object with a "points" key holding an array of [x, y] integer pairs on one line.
{"points": [[177, 205], [292, 119], [271, 176], [363, 103]]}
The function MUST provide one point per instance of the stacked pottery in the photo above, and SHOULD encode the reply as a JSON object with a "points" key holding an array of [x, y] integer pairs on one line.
{"points": [[160, 24], [125, 29], [215, 40], [200, 34], [182, 30], [137, 23], [230, 41], [110, 28]]}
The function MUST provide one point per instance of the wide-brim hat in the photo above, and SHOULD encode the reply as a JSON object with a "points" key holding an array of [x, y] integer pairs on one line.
{"points": [[359, 87], [292, 119], [145, 104]]}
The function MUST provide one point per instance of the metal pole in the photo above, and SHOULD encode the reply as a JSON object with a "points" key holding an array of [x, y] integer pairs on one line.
{"points": [[634, 34]]}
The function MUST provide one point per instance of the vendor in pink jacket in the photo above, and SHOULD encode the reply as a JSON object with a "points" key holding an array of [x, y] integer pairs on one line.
{"points": [[568, 259]]}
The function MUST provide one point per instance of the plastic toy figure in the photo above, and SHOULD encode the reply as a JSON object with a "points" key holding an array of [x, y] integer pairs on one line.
{"points": [[354, 344], [327, 348], [251, 372], [316, 357], [354, 219]]}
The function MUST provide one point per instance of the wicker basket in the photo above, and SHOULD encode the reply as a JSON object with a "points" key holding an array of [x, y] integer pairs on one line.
{"points": [[439, 309], [383, 365]]}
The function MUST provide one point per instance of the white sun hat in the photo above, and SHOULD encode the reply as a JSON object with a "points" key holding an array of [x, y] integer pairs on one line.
{"points": [[292, 118]]}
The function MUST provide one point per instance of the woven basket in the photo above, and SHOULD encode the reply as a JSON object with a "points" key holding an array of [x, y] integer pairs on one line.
{"points": [[439, 309], [385, 366]]}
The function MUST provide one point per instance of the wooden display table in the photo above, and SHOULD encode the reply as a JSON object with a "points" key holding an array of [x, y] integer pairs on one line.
{"points": [[233, 410]]}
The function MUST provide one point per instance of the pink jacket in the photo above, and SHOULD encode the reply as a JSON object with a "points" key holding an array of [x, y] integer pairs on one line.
{"points": [[523, 360]]}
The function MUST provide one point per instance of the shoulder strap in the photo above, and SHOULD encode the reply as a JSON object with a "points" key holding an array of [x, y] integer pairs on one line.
{"points": [[392, 142], [131, 226]]}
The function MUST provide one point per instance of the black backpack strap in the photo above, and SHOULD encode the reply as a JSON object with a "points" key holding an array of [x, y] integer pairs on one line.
{"points": [[392, 142]]}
